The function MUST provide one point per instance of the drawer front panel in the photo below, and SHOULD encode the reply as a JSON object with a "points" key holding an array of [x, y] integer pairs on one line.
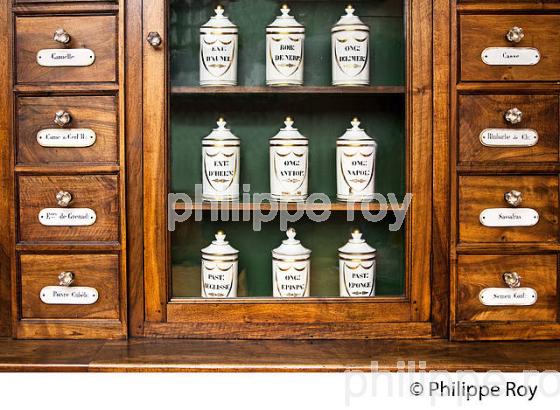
{"points": [[97, 33], [96, 192], [96, 271], [477, 193], [98, 114], [483, 112], [477, 32], [478, 272]]}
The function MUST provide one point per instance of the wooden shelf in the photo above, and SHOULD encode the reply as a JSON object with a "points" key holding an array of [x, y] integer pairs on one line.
{"points": [[378, 89], [289, 206]]}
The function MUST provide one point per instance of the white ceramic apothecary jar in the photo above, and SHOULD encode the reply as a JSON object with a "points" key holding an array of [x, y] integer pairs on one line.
{"points": [[219, 269], [357, 267], [288, 164], [220, 164], [290, 268], [350, 50], [218, 51], [355, 165], [284, 50]]}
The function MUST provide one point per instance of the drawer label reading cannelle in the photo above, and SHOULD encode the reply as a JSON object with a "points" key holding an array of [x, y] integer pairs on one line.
{"points": [[67, 217], [69, 295], [510, 56], [65, 57], [508, 296], [504, 137], [66, 138], [509, 217]]}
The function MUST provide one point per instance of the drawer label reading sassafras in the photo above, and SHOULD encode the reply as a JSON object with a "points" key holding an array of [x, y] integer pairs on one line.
{"points": [[67, 216], [504, 137], [65, 57], [66, 138], [508, 296], [509, 217], [69, 295], [510, 56]]}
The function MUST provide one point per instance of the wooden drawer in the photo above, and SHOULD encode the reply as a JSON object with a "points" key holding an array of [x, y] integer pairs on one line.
{"points": [[477, 272], [95, 271], [478, 113], [477, 32], [97, 192], [477, 193], [97, 33], [95, 113]]}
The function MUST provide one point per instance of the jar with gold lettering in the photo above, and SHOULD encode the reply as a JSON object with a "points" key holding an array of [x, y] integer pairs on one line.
{"points": [[219, 269], [357, 267], [290, 268]]}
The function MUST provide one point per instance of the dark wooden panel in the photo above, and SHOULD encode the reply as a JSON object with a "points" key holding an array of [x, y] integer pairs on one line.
{"points": [[98, 33], [97, 271], [480, 31], [477, 193], [477, 272], [478, 112], [96, 192], [98, 113]]}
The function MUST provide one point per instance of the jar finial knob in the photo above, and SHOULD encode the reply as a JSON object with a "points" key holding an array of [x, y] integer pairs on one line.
{"points": [[356, 234], [355, 122], [289, 122], [285, 9], [291, 233], [349, 9], [221, 123], [220, 236], [219, 10]]}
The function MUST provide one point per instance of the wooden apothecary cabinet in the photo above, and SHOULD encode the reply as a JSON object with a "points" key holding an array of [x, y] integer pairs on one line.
{"points": [[463, 131]]}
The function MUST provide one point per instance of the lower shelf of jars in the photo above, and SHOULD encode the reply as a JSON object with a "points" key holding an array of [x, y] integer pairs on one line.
{"points": [[308, 299]]}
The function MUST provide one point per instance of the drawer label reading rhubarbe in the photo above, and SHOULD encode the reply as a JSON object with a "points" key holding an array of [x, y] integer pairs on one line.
{"points": [[69, 295], [67, 216], [508, 296], [66, 138], [509, 217], [65, 57], [510, 56], [504, 137]]}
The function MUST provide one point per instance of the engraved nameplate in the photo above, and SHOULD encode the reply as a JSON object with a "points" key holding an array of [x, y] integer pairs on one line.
{"points": [[509, 217], [65, 57], [508, 296], [66, 138], [67, 217], [511, 56], [69, 295], [504, 137]]}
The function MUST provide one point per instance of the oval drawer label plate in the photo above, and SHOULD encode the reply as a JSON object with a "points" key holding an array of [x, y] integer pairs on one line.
{"points": [[69, 295], [66, 138], [504, 137], [509, 217], [508, 296], [67, 217], [510, 56], [65, 57]]}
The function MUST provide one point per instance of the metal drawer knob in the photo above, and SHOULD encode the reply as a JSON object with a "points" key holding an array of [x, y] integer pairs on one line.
{"points": [[154, 39], [515, 34], [63, 198], [61, 36], [65, 278], [62, 118], [513, 115], [512, 279], [513, 198]]}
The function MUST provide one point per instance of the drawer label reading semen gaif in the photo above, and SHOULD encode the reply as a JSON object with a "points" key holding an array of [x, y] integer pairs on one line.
{"points": [[508, 296]]}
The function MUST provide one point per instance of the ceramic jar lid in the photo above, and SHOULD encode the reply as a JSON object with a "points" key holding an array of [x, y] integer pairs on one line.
{"points": [[220, 247], [221, 133], [220, 21], [356, 134], [357, 248], [291, 248], [285, 21], [350, 22], [289, 133]]}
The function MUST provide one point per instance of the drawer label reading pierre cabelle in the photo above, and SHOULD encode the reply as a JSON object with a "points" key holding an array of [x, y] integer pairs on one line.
{"points": [[509, 217], [505, 137], [69, 295], [67, 217], [510, 56], [508, 296], [66, 138], [65, 57]]}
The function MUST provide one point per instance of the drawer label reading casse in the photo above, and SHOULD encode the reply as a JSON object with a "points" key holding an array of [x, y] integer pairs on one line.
{"points": [[508, 296], [505, 137], [65, 57], [67, 216], [66, 138], [510, 56], [509, 217], [69, 295]]}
